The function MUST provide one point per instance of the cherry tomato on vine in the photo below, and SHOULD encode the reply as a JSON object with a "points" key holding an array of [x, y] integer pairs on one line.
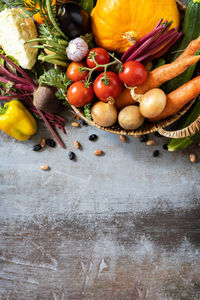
{"points": [[101, 56], [79, 95], [105, 88], [133, 74], [74, 73]]}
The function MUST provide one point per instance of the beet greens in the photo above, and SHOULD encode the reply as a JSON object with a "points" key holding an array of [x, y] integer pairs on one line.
{"points": [[16, 83], [154, 44]]}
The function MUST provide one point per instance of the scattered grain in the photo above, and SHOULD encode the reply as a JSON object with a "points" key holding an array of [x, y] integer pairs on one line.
{"points": [[98, 152], [192, 157], [122, 138], [75, 124], [44, 167], [43, 142], [150, 143], [76, 144]]}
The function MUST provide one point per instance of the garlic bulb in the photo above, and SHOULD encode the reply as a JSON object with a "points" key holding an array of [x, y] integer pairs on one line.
{"points": [[77, 49]]}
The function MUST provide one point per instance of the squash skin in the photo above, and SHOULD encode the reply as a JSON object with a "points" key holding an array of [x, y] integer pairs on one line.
{"points": [[112, 19]]}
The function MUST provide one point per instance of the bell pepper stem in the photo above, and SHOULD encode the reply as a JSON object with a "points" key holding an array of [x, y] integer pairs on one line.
{"points": [[3, 109]]}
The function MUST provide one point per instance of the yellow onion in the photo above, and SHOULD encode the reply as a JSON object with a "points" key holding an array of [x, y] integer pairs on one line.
{"points": [[104, 114], [153, 103]]}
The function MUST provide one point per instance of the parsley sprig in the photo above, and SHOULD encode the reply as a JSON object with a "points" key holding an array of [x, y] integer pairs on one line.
{"points": [[57, 79]]}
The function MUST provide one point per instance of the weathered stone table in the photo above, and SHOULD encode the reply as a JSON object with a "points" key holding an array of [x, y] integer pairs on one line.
{"points": [[122, 226]]}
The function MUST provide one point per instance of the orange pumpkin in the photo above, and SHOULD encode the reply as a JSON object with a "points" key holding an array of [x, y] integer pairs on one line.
{"points": [[117, 24]]}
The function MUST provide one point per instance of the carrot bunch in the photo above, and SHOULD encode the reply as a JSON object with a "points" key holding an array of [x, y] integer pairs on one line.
{"points": [[185, 93]]}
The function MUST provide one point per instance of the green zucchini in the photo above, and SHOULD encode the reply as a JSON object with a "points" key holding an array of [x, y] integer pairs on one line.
{"points": [[191, 31], [187, 119]]}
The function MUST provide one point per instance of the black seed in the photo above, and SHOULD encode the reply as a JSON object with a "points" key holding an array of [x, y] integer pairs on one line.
{"points": [[92, 137], [71, 155], [82, 122], [165, 147], [37, 147], [144, 138], [156, 153], [50, 143]]}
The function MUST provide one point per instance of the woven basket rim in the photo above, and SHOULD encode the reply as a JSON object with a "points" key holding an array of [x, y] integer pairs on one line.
{"points": [[147, 127]]}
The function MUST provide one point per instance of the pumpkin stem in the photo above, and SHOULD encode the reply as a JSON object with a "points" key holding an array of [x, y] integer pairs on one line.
{"points": [[131, 36]]}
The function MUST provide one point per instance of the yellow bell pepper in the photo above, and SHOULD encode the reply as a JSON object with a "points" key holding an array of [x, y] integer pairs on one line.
{"points": [[17, 121]]}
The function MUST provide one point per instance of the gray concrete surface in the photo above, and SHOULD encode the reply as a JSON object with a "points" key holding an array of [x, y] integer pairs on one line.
{"points": [[126, 179], [121, 226]]}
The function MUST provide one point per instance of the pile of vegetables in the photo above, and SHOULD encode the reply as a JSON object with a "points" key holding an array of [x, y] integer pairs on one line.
{"points": [[115, 77]]}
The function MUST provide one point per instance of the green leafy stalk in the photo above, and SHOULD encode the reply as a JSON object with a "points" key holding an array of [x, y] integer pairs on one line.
{"points": [[53, 59], [87, 5], [44, 15], [53, 20], [3, 6]]}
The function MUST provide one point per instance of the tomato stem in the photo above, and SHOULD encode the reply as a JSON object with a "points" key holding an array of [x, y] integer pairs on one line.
{"points": [[105, 66]]}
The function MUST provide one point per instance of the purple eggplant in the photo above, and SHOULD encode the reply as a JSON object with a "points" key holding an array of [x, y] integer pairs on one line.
{"points": [[74, 21]]}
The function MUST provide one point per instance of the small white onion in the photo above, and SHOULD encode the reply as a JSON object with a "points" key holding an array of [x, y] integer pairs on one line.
{"points": [[153, 103], [77, 49]]}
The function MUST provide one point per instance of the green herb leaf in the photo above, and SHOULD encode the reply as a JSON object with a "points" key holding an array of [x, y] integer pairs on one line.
{"points": [[8, 86], [56, 78], [3, 6], [87, 5], [39, 69], [10, 57], [88, 37], [87, 112]]}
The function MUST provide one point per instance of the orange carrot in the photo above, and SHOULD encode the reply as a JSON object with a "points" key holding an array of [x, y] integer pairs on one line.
{"points": [[166, 72], [180, 97], [191, 49], [124, 99]]}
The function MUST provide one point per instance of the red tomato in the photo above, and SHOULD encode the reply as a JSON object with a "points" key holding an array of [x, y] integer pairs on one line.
{"points": [[102, 57], [113, 89], [134, 73], [79, 95], [74, 73]]}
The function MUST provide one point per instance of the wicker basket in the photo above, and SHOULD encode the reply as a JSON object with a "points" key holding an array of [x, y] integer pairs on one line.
{"points": [[149, 127]]}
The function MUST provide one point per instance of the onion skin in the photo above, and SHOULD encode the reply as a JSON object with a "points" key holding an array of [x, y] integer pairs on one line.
{"points": [[153, 103], [104, 114], [130, 118]]}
